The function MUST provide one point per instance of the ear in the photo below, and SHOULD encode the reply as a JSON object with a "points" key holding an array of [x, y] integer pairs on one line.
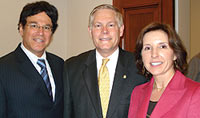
{"points": [[90, 31], [121, 30], [21, 30]]}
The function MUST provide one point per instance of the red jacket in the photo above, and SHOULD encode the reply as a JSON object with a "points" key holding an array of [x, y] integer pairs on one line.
{"points": [[181, 99]]}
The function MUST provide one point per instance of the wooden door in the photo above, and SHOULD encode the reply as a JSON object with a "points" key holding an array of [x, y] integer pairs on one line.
{"points": [[139, 13]]}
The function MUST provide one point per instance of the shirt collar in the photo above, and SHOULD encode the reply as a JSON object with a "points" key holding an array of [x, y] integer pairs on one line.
{"points": [[113, 58], [32, 56]]}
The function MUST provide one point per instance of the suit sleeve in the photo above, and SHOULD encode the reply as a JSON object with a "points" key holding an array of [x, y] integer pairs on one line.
{"points": [[130, 113], [2, 102], [193, 110], [67, 96], [194, 69]]}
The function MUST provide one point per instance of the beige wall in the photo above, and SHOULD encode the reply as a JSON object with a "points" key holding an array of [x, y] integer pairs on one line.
{"points": [[182, 21], [195, 25], [78, 11], [72, 37], [10, 37], [8, 25]]}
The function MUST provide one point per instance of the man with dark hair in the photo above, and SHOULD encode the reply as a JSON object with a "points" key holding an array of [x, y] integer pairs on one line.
{"points": [[31, 78], [92, 88]]}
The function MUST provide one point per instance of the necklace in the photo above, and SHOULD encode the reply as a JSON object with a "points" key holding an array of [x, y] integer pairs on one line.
{"points": [[148, 116]]}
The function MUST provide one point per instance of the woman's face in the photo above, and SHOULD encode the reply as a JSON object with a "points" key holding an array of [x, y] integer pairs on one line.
{"points": [[157, 55]]}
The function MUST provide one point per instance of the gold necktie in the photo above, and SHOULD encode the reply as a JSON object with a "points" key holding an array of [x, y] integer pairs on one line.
{"points": [[104, 86]]}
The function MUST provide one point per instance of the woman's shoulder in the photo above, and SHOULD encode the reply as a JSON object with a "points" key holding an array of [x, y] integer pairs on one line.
{"points": [[189, 83]]}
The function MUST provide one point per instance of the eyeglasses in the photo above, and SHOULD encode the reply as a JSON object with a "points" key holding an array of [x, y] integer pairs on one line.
{"points": [[35, 26]]}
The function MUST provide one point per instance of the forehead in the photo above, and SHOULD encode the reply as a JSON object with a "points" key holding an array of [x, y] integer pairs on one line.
{"points": [[156, 36], [39, 18], [104, 14]]}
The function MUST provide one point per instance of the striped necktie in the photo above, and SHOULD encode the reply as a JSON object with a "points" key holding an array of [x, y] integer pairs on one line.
{"points": [[44, 74]]}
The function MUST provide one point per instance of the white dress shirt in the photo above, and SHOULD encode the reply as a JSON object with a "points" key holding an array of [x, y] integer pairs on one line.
{"points": [[111, 65], [34, 60]]}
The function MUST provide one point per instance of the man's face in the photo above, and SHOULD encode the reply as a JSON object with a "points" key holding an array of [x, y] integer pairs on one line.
{"points": [[105, 32], [37, 33]]}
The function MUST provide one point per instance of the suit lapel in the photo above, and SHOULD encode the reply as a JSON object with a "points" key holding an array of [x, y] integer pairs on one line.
{"points": [[90, 77], [119, 84], [29, 70], [144, 97], [56, 76], [167, 102], [170, 97], [116, 93]]}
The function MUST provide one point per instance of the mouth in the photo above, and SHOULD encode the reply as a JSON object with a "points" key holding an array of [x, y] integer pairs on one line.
{"points": [[105, 39], [156, 63], [38, 40]]}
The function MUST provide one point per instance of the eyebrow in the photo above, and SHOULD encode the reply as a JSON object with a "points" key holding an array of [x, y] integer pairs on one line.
{"points": [[37, 23], [158, 43], [32, 22], [107, 23], [164, 43]]}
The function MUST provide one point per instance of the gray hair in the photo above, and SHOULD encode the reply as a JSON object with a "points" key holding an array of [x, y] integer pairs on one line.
{"points": [[118, 15]]}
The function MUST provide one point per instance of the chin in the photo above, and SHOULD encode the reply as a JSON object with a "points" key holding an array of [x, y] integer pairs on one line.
{"points": [[155, 73]]}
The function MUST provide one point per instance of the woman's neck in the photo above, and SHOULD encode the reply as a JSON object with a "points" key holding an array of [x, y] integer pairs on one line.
{"points": [[162, 81]]}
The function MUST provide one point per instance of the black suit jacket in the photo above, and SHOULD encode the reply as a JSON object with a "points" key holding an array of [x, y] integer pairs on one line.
{"points": [[81, 92], [23, 93], [194, 68]]}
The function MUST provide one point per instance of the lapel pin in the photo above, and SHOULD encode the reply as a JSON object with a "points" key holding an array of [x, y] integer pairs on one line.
{"points": [[124, 76]]}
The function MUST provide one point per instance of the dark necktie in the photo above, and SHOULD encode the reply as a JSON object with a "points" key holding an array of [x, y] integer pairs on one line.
{"points": [[44, 74]]}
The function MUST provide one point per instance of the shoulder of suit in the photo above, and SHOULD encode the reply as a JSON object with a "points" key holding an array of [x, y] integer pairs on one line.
{"points": [[191, 83], [198, 56], [126, 55], [126, 52], [54, 57], [7, 57], [80, 57]]}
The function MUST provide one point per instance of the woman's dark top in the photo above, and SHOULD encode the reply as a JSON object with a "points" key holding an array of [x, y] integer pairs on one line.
{"points": [[152, 105]]}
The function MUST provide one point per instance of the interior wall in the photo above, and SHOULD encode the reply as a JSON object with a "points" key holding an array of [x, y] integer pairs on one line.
{"points": [[78, 11], [182, 22], [9, 18], [71, 37], [195, 25], [10, 12]]}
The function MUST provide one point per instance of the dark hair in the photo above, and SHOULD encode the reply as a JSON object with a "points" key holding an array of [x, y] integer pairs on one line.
{"points": [[37, 7], [174, 42]]}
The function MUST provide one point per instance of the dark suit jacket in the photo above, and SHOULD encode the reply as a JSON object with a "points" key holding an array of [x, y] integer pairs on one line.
{"points": [[179, 100], [23, 93], [81, 92], [194, 68]]}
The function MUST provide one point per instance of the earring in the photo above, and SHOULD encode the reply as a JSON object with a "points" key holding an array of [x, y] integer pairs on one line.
{"points": [[175, 64]]}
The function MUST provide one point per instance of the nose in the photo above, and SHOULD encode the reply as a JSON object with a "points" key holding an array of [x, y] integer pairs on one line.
{"points": [[154, 53], [40, 30], [105, 30]]}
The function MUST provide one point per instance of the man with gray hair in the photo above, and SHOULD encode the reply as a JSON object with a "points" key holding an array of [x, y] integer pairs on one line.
{"points": [[99, 82]]}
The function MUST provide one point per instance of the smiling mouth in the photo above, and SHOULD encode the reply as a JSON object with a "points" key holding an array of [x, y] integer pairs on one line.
{"points": [[38, 40], [105, 39], [156, 63]]}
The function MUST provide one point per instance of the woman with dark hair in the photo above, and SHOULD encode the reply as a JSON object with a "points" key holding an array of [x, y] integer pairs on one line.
{"points": [[161, 57]]}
